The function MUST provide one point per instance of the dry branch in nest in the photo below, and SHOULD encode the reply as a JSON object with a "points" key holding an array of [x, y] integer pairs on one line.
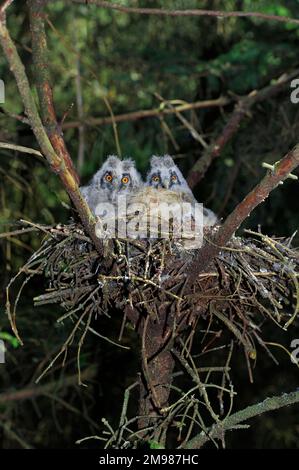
{"points": [[254, 279]]}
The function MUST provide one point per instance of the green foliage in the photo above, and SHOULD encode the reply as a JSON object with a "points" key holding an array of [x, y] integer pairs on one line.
{"points": [[12, 340], [156, 445]]}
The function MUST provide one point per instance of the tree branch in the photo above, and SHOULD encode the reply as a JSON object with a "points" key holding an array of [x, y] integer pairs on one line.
{"points": [[20, 148], [234, 420], [5, 5], [189, 12], [42, 79], [147, 113], [241, 111], [32, 392], [80, 110], [57, 162], [260, 192]]}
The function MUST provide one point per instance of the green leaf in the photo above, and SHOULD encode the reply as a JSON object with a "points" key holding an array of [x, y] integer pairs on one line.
{"points": [[10, 339], [155, 445]]}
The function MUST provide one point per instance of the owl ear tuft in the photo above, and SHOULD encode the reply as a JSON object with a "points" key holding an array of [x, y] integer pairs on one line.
{"points": [[128, 164], [168, 161], [155, 160], [112, 161]]}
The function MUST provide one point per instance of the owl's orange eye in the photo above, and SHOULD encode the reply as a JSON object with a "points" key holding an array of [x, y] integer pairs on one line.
{"points": [[174, 178], [125, 180], [156, 179], [108, 177]]}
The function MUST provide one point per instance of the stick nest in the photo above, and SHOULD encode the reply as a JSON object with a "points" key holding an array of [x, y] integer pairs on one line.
{"points": [[253, 278]]}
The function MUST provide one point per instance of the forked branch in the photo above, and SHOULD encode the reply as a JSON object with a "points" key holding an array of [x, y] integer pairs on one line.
{"points": [[260, 192]]}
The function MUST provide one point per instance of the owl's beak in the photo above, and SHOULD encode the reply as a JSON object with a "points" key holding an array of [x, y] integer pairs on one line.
{"points": [[165, 183]]}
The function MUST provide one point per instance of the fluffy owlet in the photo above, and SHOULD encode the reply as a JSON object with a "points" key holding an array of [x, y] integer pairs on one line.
{"points": [[130, 178], [164, 174], [113, 178]]}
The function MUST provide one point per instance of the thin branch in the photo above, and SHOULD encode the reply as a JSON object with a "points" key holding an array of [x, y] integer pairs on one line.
{"points": [[81, 130], [13, 435], [42, 79], [259, 193], [22, 119], [234, 420], [241, 111], [18, 70], [5, 5], [189, 12], [147, 113], [169, 104], [34, 391], [20, 148]]}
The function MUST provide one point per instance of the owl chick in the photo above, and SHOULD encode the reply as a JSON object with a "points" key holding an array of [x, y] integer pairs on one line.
{"points": [[115, 177], [104, 183], [130, 178], [164, 173]]}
